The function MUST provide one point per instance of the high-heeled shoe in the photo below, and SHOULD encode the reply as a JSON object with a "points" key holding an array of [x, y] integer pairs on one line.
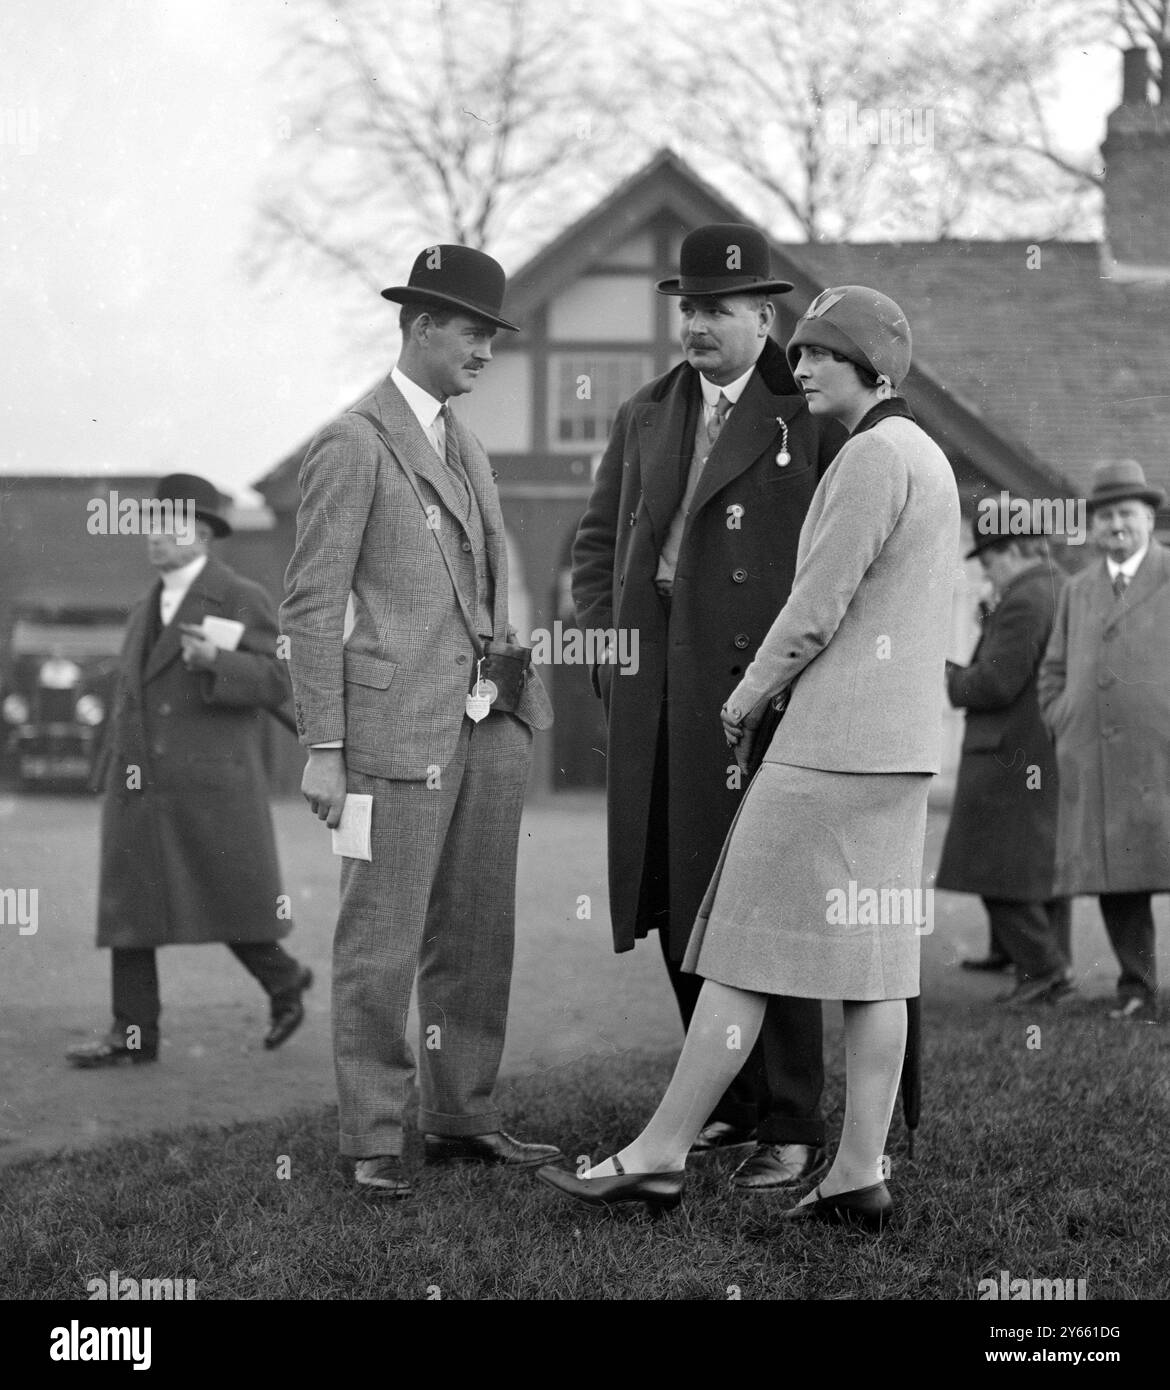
{"points": [[870, 1208], [661, 1192]]}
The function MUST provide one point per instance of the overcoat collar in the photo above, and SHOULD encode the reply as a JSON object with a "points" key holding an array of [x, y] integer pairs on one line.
{"points": [[414, 450], [753, 428], [1152, 574], [208, 591]]}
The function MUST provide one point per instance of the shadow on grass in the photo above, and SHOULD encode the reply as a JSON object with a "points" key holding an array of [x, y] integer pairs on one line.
{"points": [[1045, 1160]]}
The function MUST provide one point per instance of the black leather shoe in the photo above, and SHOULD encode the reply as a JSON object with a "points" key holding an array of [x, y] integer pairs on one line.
{"points": [[869, 1208], [780, 1167], [991, 962], [1045, 989], [109, 1052], [288, 1011], [719, 1136], [660, 1192], [498, 1148], [382, 1176]]}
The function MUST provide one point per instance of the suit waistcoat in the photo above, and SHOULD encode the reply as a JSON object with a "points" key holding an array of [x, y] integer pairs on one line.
{"points": [[700, 447], [474, 572]]}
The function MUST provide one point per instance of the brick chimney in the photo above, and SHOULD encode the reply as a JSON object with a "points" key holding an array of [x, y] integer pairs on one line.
{"points": [[1137, 174]]}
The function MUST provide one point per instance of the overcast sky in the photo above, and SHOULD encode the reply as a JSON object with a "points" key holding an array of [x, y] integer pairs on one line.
{"points": [[134, 136]]}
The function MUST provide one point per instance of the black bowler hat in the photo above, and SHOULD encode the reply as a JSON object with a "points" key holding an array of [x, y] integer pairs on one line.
{"points": [[1022, 530], [188, 490], [724, 258], [455, 277]]}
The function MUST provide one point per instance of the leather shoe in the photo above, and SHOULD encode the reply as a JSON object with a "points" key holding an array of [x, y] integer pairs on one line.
{"points": [[288, 1011], [109, 1052], [382, 1176], [780, 1167], [497, 1148], [990, 962], [1044, 989], [1136, 1010], [869, 1208], [719, 1136], [660, 1192]]}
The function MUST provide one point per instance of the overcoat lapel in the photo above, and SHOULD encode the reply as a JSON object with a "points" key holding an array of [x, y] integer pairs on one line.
{"points": [[752, 429], [663, 453], [1151, 575], [206, 593]]}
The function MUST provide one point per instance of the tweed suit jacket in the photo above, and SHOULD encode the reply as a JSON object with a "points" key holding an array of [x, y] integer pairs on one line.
{"points": [[394, 691], [862, 639]]}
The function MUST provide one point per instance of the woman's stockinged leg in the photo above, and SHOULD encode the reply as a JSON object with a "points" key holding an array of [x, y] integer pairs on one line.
{"points": [[875, 1043], [723, 1031]]}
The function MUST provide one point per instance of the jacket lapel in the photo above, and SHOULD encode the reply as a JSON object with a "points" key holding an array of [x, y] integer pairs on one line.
{"points": [[752, 428], [414, 448], [662, 451]]}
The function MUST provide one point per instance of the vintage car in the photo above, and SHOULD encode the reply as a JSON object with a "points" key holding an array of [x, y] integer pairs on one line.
{"points": [[57, 674]]}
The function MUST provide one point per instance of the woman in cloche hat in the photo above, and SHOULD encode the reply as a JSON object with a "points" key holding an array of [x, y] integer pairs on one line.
{"points": [[817, 892]]}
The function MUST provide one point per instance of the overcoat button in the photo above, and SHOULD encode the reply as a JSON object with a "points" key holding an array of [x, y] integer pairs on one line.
{"points": [[741, 640], [466, 545], [738, 576], [164, 709], [461, 659]]}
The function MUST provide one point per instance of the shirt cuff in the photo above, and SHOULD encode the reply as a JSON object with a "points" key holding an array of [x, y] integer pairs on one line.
{"points": [[333, 743]]}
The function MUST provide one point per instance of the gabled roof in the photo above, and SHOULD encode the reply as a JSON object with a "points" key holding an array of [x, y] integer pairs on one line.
{"points": [[1031, 375], [1070, 368]]}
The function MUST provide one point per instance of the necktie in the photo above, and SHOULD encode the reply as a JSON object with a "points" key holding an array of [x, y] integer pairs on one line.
{"points": [[715, 423], [453, 461], [1120, 582]]}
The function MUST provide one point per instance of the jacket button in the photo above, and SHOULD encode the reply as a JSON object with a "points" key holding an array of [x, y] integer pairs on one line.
{"points": [[159, 749], [1104, 682], [741, 640], [461, 659], [164, 709], [467, 545], [738, 576]]}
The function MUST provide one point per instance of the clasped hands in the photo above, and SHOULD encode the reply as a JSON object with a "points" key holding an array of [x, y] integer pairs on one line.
{"points": [[740, 729]]}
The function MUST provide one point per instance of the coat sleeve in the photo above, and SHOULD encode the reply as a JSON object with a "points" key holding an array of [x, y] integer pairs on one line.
{"points": [[864, 494], [337, 481], [1050, 682], [1006, 659], [253, 675], [596, 541]]}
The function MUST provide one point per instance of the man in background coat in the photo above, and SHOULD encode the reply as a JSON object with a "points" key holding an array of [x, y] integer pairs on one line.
{"points": [[1104, 691], [188, 853], [1001, 839], [399, 508], [690, 540]]}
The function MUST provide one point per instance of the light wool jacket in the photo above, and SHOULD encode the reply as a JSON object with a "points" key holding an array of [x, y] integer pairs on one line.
{"points": [[862, 639]]}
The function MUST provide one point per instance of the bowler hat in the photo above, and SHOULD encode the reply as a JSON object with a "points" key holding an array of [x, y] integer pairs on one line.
{"points": [[724, 258], [866, 327], [189, 490], [455, 277], [1115, 482], [1021, 529]]}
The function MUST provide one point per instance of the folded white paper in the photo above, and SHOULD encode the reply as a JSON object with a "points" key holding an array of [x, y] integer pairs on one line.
{"points": [[351, 839], [224, 632]]}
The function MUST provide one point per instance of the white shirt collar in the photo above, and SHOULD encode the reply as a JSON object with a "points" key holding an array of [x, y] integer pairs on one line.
{"points": [[1128, 567], [733, 390], [421, 402], [185, 575]]}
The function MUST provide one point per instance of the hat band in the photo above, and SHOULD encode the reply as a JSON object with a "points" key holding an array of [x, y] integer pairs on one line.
{"points": [[720, 284]]}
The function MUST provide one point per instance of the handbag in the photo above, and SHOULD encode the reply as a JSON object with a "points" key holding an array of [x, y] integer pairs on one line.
{"points": [[501, 668]]}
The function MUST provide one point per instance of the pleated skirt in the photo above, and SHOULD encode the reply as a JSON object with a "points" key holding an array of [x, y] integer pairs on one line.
{"points": [[818, 890]]}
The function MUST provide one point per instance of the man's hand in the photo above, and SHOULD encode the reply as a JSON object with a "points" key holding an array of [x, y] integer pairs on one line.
{"points": [[323, 785], [198, 651]]}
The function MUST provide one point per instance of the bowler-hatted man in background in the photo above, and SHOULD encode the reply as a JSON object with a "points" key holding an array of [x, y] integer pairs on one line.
{"points": [[1104, 690], [188, 853], [1001, 839], [690, 540], [399, 508]]}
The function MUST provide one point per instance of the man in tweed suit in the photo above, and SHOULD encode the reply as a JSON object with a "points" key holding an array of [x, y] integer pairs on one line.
{"points": [[399, 509]]}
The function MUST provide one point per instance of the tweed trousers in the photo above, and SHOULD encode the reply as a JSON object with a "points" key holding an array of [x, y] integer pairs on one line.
{"points": [[437, 900]]}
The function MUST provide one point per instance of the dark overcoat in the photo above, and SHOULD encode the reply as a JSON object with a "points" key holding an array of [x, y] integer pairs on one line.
{"points": [[1105, 692], [187, 848], [1001, 840], [734, 573]]}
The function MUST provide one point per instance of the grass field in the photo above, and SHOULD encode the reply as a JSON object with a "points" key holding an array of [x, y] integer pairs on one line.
{"points": [[1042, 1154]]}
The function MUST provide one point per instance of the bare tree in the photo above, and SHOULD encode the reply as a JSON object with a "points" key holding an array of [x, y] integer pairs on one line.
{"points": [[425, 120]]}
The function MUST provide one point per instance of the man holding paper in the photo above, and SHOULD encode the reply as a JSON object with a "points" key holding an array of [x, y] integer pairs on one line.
{"points": [[187, 848], [421, 720]]}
